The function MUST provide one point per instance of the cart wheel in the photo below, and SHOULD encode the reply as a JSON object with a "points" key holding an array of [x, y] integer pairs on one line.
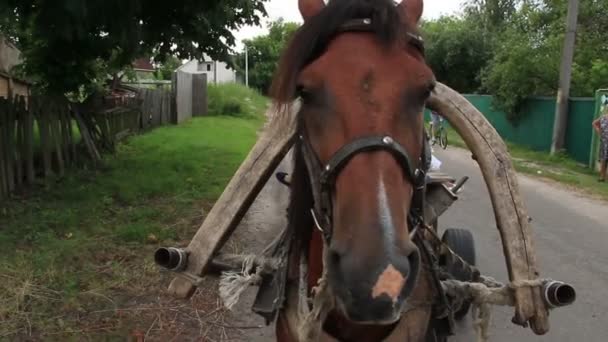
{"points": [[462, 243]]}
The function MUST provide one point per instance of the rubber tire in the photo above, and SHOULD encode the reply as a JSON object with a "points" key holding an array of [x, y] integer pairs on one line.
{"points": [[443, 139], [462, 243]]}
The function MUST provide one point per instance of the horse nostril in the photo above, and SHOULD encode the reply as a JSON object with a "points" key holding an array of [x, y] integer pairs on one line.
{"points": [[334, 257]]}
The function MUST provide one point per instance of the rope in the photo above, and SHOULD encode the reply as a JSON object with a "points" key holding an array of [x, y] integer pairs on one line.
{"points": [[484, 294], [312, 320], [233, 284]]}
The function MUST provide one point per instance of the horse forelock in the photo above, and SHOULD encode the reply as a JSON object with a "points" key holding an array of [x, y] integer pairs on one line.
{"points": [[313, 37]]}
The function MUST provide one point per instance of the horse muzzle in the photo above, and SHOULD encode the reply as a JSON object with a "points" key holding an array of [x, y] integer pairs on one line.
{"points": [[374, 295]]}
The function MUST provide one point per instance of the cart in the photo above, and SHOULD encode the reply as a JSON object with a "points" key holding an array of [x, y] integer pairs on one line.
{"points": [[452, 251]]}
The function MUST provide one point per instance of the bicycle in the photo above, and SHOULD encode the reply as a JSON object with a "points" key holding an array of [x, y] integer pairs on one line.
{"points": [[443, 136]]}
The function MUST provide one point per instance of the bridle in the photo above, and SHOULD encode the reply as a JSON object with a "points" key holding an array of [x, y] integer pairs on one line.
{"points": [[323, 177]]}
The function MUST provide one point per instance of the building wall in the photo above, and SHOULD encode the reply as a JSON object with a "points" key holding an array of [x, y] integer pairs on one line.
{"points": [[217, 72], [9, 55], [9, 58]]}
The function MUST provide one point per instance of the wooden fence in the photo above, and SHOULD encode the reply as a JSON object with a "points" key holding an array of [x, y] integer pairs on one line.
{"points": [[36, 141], [42, 136], [157, 107]]}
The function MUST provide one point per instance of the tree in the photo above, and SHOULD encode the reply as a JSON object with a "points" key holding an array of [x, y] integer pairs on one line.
{"points": [[527, 58], [166, 69], [68, 45], [457, 49], [491, 15], [264, 53]]}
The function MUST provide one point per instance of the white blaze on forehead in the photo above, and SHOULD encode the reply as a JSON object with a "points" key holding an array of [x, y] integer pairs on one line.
{"points": [[384, 209]]}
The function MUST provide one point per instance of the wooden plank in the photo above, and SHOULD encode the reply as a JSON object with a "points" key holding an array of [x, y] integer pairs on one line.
{"points": [[71, 136], [3, 137], [275, 141], [86, 137], [45, 135], [199, 95], [10, 144], [156, 112], [184, 96], [28, 139], [19, 156], [55, 119], [146, 109], [511, 215], [64, 122], [161, 107], [168, 118]]}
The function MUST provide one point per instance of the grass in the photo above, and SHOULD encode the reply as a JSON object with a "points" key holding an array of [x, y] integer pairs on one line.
{"points": [[233, 99], [560, 168], [85, 244]]}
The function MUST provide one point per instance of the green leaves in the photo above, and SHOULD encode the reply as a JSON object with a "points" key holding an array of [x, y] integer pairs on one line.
{"points": [[457, 50], [62, 41], [512, 49], [264, 54]]}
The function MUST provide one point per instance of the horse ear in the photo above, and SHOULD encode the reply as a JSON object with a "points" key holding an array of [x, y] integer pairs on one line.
{"points": [[310, 8], [411, 10]]}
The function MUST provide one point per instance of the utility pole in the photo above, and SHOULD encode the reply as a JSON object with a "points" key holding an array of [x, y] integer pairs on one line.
{"points": [[246, 67], [563, 92]]}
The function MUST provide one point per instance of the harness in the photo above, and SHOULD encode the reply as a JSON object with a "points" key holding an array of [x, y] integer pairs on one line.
{"points": [[323, 177]]}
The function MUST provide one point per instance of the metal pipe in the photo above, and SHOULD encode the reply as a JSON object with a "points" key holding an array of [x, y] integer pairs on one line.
{"points": [[558, 294], [459, 184], [174, 259]]}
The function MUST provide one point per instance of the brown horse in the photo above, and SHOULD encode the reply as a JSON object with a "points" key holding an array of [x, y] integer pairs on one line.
{"points": [[358, 69]]}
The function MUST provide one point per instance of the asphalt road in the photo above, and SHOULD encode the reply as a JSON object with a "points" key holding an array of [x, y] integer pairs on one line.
{"points": [[571, 236]]}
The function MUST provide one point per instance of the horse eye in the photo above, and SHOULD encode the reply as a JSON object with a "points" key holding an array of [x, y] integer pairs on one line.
{"points": [[303, 93], [429, 89]]}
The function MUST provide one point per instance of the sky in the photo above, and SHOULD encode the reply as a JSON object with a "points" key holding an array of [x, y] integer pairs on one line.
{"points": [[288, 10]]}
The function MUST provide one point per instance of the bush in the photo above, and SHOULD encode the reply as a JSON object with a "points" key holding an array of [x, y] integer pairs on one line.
{"points": [[233, 99]]}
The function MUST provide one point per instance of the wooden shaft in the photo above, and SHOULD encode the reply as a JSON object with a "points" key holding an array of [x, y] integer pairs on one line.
{"points": [[511, 216], [274, 143]]}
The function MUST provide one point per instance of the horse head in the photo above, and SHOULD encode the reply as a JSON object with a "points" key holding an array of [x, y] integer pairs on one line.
{"points": [[358, 69]]}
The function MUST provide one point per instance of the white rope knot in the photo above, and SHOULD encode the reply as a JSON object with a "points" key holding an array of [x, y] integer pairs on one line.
{"points": [[484, 294], [233, 284]]}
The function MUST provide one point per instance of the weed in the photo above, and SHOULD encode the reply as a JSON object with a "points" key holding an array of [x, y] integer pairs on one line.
{"points": [[559, 167], [85, 244]]}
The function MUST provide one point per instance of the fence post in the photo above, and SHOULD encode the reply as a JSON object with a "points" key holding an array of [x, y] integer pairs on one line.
{"points": [[55, 120], [28, 146], [19, 142], [199, 95], [10, 143], [3, 120]]}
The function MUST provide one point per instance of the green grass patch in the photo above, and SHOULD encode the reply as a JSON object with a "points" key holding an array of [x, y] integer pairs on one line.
{"points": [[80, 244], [233, 99], [560, 167]]}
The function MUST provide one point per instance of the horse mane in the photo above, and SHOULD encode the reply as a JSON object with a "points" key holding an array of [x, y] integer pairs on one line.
{"points": [[312, 38]]}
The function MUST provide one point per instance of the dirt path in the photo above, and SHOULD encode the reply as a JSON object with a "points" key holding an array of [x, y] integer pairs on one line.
{"points": [[570, 234], [266, 217]]}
